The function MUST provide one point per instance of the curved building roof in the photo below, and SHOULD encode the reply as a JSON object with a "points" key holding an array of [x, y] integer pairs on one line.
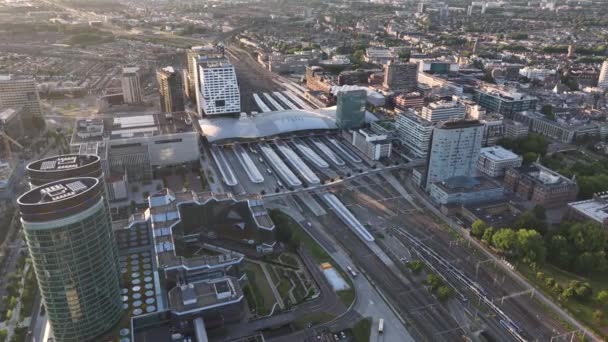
{"points": [[269, 124]]}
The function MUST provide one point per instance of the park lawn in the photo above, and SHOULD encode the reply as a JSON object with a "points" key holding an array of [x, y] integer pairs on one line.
{"points": [[362, 330], [314, 318], [583, 311], [260, 288]]}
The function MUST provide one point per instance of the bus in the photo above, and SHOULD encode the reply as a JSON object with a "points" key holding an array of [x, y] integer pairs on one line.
{"points": [[351, 271], [380, 325]]}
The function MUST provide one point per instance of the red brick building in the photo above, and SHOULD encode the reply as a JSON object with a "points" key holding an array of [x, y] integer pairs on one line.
{"points": [[540, 185]]}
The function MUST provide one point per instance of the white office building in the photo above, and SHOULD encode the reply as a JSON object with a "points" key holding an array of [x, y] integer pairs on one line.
{"points": [[217, 87], [536, 73], [132, 91], [454, 151], [443, 111], [374, 146], [602, 82], [495, 160], [414, 133]]}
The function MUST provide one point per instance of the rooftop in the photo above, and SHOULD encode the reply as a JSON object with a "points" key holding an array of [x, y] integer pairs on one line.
{"points": [[467, 184], [131, 126], [62, 162], [498, 153], [459, 124], [61, 190], [543, 175], [204, 295], [269, 124], [504, 93], [595, 208]]}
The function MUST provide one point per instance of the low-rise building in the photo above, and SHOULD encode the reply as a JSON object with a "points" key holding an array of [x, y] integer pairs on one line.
{"points": [[409, 100], [515, 129], [594, 209], [495, 160], [443, 111], [465, 190], [540, 185], [374, 146]]}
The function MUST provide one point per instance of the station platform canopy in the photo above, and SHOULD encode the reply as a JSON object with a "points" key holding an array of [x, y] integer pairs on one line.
{"points": [[218, 129]]}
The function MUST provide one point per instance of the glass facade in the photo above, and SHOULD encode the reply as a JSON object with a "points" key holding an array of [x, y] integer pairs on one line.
{"points": [[350, 110], [77, 270]]}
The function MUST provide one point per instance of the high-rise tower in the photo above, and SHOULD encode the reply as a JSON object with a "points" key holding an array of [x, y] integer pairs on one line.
{"points": [[68, 230], [602, 81], [171, 90]]}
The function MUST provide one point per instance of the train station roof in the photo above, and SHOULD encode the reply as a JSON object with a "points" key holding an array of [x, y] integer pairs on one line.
{"points": [[269, 124]]}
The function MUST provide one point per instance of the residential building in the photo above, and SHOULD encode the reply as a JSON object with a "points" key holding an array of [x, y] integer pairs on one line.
{"points": [[504, 101], [602, 81], [171, 90], [20, 94], [350, 108], [495, 160], [409, 100], [132, 90], [540, 185], [68, 230], [217, 88], [454, 150], [374, 146], [414, 133], [400, 76], [515, 129], [463, 190], [443, 111]]}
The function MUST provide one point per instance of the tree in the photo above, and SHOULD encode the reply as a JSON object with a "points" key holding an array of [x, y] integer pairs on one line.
{"points": [[415, 266], [530, 220], [588, 237], [548, 112], [505, 240], [443, 293], [487, 235], [531, 246], [283, 234], [478, 228], [560, 251], [530, 157], [598, 316], [583, 291], [602, 297]]}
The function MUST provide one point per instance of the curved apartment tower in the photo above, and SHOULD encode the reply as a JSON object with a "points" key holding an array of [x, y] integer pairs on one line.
{"points": [[69, 236], [54, 168]]}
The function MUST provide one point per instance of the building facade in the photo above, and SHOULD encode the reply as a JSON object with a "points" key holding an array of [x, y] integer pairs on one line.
{"points": [[465, 190], [503, 101], [443, 111], [68, 230], [540, 185], [350, 108], [414, 133], [400, 76], [495, 160], [217, 87], [454, 150], [132, 91], [20, 94], [515, 129], [374, 146], [602, 81], [171, 90]]}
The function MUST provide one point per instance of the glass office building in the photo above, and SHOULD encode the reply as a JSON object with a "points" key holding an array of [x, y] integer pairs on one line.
{"points": [[69, 236]]}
